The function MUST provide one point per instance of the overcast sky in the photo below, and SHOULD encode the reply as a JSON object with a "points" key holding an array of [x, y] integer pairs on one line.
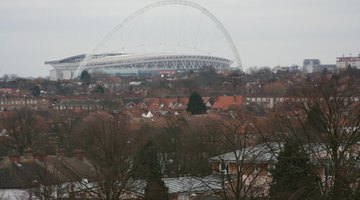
{"points": [[266, 32]]}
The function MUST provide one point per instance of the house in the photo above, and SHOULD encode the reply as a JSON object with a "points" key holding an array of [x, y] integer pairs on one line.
{"points": [[260, 157], [265, 101], [169, 104], [147, 115], [131, 103], [184, 188], [6, 91], [34, 174], [88, 104], [224, 103], [251, 164], [254, 163], [164, 104], [13, 103]]}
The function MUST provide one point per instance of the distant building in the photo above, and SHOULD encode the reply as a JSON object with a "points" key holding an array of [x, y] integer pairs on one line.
{"points": [[224, 103], [135, 65], [310, 64], [35, 175], [314, 65], [292, 68], [15, 103], [8, 77], [343, 62], [88, 104], [322, 68]]}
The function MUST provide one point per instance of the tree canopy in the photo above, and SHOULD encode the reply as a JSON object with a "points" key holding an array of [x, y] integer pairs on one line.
{"points": [[147, 167], [85, 77], [196, 105], [35, 91], [293, 177]]}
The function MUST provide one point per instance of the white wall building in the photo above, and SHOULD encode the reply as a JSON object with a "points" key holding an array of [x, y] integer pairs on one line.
{"points": [[343, 62], [309, 64], [134, 64]]}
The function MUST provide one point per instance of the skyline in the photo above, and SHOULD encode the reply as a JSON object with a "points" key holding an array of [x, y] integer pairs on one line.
{"points": [[271, 33]]}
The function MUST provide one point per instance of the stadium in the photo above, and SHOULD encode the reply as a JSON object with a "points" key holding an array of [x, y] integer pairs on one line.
{"points": [[135, 65], [147, 62]]}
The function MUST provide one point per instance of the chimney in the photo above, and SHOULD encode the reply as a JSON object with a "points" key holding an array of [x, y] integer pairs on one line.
{"points": [[79, 154], [15, 157], [28, 153], [60, 153]]}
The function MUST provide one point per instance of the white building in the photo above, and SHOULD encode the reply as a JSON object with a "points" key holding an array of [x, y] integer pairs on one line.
{"points": [[134, 64], [343, 62], [310, 64]]}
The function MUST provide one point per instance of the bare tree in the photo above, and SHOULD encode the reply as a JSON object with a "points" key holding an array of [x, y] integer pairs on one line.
{"points": [[185, 146], [242, 168], [324, 119], [25, 130], [51, 182], [66, 126], [34, 178], [110, 150]]}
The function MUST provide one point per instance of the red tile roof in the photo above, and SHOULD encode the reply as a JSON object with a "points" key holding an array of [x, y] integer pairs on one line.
{"points": [[223, 102]]}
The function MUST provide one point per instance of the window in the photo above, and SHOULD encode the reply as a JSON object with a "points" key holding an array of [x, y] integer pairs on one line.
{"points": [[224, 168], [271, 167]]}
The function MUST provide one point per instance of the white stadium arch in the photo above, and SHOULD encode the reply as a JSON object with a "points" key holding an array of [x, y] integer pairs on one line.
{"points": [[211, 16]]}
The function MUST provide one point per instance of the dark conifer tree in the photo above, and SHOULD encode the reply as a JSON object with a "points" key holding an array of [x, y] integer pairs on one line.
{"points": [[147, 167], [196, 105], [85, 77], [99, 89], [315, 119], [294, 177], [36, 91]]}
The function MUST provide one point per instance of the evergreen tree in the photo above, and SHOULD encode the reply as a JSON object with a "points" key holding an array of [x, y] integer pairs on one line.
{"points": [[196, 105], [293, 177], [99, 89], [35, 91], [147, 167], [85, 77], [315, 119]]}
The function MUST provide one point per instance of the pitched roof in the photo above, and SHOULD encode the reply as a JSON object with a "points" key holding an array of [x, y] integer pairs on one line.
{"points": [[30, 172], [223, 102], [190, 184], [25, 175], [132, 100], [184, 185], [253, 154], [71, 169]]}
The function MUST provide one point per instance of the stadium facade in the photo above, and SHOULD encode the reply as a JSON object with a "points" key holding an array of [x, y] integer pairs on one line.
{"points": [[135, 64]]}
